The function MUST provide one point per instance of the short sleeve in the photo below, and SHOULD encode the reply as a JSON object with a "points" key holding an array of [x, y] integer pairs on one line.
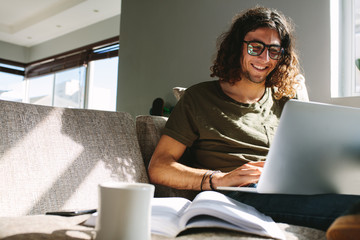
{"points": [[181, 124]]}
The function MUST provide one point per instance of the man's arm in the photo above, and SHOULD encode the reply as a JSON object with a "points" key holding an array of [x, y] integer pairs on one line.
{"points": [[165, 169]]}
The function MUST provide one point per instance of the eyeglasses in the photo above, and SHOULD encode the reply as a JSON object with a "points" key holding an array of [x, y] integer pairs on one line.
{"points": [[255, 48]]}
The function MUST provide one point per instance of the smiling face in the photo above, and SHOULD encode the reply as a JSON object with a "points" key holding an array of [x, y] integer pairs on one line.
{"points": [[256, 68]]}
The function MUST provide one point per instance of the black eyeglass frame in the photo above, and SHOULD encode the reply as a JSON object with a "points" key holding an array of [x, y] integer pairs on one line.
{"points": [[282, 51]]}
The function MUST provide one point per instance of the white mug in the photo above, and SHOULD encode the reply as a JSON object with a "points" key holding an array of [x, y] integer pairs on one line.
{"points": [[124, 211]]}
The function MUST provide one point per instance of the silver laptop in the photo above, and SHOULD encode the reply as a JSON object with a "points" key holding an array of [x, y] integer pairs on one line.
{"points": [[316, 150]]}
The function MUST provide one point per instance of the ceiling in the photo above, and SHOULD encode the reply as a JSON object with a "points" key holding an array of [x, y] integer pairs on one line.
{"points": [[31, 22]]}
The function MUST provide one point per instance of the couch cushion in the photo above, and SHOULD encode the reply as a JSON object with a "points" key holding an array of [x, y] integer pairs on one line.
{"points": [[54, 158], [149, 130], [54, 227], [178, 92], [45, 227]]}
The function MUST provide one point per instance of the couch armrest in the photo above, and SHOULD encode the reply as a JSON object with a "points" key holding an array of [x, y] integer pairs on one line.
{"points": [[149, 130]]}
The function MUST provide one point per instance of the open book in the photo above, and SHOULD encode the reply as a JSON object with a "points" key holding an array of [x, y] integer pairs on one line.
{"points": [[209, 209]]}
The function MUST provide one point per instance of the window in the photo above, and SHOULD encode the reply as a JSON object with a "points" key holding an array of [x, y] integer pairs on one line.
{"points": [[40, 90], [103, 84], [357, 46], [82, 78], [345, 48], [69, 88], [12, 86]]}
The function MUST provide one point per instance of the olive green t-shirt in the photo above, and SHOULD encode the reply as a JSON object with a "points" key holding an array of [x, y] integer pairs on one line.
{"points": [[221, 133]]}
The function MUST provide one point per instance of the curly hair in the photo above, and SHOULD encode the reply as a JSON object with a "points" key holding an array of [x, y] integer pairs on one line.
{"points": [[227, 65]]}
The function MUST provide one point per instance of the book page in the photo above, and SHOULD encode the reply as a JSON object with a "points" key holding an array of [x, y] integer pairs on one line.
{"points": [[245, 217], [165, 215], [206, 221]]}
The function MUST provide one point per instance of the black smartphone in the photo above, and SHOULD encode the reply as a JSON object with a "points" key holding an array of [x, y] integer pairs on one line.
{"points": [[72, 213]]}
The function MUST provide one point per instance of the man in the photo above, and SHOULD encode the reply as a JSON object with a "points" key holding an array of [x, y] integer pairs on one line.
{"points": [[228, 124], [252, 57]]}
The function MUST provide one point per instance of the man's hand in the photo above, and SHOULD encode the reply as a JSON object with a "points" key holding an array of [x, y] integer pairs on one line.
{"points": [[165, 169], [242, 176]]}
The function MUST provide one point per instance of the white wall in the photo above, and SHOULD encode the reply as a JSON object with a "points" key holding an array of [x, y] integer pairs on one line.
{"points": [[167, 43], [94, 33], [13, 52]]}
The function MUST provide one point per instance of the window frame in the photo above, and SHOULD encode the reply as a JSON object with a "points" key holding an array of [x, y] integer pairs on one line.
{"points": [[65, 61], [11, 70], [74, 58]]}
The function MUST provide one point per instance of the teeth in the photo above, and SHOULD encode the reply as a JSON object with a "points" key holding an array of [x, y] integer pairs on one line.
{"points": [[259, 67]]}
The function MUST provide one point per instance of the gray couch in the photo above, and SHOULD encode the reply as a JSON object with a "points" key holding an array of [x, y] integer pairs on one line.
{"points": [[54, 158]]}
